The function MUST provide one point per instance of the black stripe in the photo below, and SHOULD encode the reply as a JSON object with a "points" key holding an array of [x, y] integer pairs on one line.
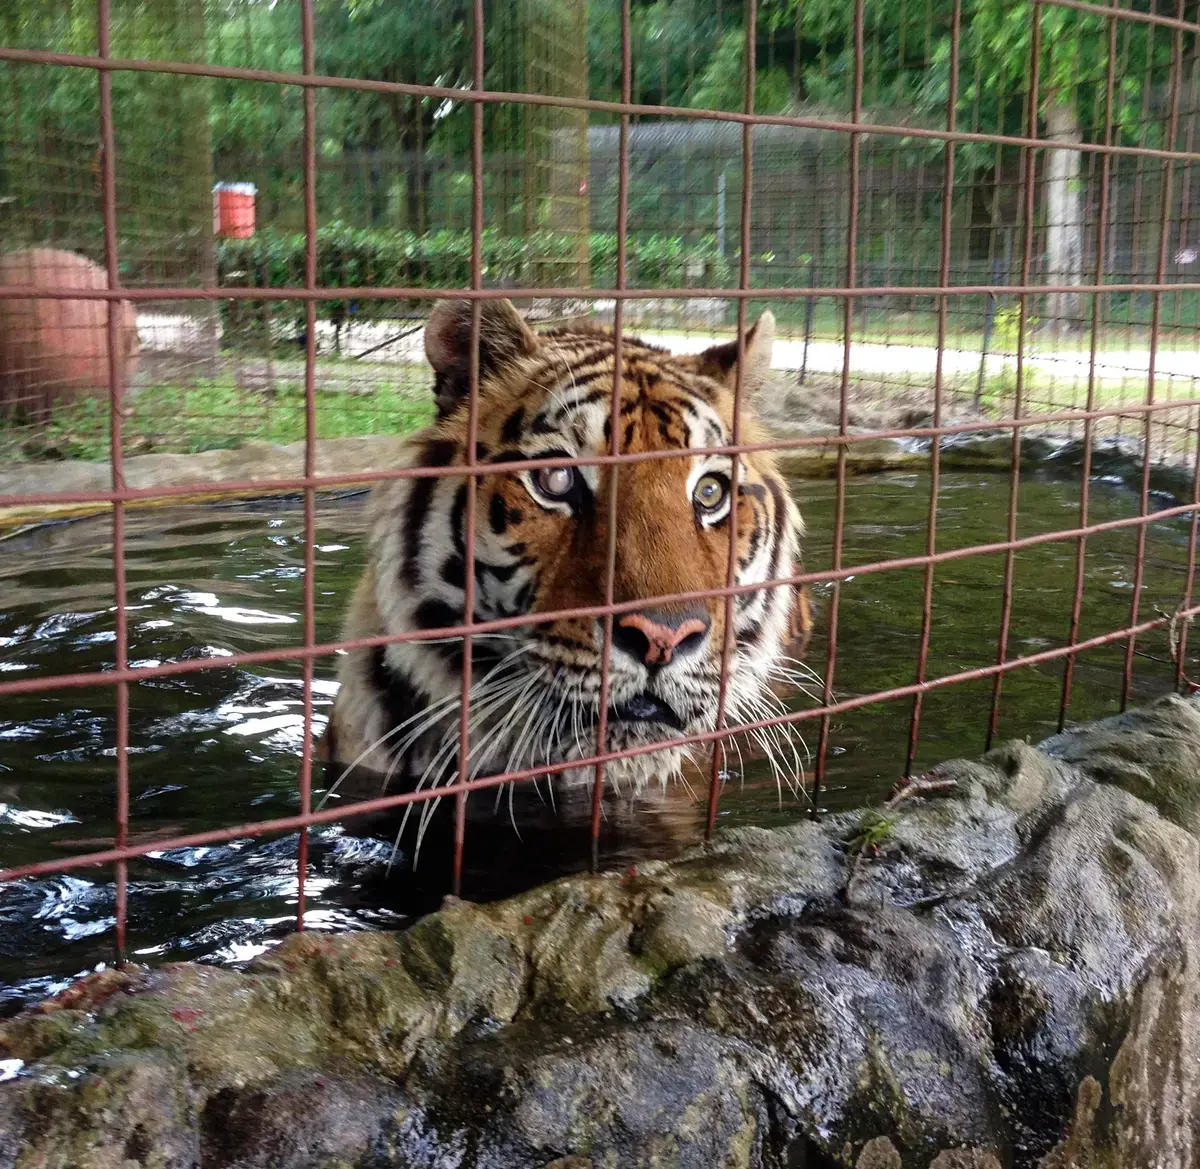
{"points": [[502, 572], [777, 529], [510, 432], [521, 601], [508, 457], [400, 698], [432, 613], [498, 514], [756, 537], [577, 360], [587, 399], [699, 392], [458, 511], [671, 425], [439, 452], [596, 334]]}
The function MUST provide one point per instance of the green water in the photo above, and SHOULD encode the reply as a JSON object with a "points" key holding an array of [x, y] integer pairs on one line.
{"points": [[220, 747]]}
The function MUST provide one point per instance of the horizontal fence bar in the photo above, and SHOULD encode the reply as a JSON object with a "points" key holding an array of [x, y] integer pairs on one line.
{"points": [[417, 292], [495, 97], [299, 483], [1110, 12], [384, 803], [299, 653]]}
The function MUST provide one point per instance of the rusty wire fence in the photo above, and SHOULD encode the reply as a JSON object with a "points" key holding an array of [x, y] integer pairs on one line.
{"points": [[994, 278]]}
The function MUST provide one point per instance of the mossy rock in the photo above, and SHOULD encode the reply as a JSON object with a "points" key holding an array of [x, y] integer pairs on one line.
{"points": [[1011, 979]]}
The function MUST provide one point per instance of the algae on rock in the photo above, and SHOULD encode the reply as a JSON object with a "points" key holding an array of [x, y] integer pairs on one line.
{"points": [[1011, 978]]}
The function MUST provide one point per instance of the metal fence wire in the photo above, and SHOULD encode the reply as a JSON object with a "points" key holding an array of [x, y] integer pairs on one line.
{"points": [[817, 219]]}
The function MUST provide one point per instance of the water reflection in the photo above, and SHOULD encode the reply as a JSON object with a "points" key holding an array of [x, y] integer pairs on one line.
{"points": [[220, 747]]}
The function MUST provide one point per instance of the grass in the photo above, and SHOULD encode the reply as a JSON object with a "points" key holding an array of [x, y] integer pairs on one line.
{"points": [[1172, 434], [357, 400], [1123, 325], [214, 415]]}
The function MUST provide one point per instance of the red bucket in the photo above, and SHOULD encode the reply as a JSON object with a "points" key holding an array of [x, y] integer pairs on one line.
{"points": [[233, 210]]}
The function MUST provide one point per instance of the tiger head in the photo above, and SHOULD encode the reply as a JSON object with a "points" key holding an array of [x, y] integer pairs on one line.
{"points": [[542, 539]]}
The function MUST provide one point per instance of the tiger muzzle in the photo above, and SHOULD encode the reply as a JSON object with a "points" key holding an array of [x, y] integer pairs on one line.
{"points": [[656, 636]]}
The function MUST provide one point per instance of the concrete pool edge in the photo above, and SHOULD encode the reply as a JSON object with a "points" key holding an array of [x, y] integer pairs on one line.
{"points": [[1115, 459], [207, 471]]}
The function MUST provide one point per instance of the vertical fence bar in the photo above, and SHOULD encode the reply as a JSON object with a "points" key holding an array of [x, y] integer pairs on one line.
{"points": [[1185, 193], [1136, 221], [308, 46], [727, 631], [935, 450], [1014, 485], [1190, 578], [116, 407], [1085, 474], [1181, 644], [614, 414], [839, 510], [1160, 267], [472, 484]]}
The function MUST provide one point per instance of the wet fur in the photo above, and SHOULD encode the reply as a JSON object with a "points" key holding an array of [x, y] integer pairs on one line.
{"points": [[535, 690]]}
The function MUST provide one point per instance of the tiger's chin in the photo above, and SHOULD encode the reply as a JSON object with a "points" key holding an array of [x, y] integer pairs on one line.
{"points": [[631, 774], [638, 725]]}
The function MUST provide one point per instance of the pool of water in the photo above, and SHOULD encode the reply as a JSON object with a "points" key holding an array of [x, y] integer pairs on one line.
{"points": [[219, 747]]}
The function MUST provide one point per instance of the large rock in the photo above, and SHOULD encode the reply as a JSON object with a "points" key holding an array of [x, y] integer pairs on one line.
{"points": [[53, 351], [1003, 975]]}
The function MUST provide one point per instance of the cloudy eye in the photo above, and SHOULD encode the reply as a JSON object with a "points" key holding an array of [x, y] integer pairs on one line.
{"points": [[710, 492], [556, 482]]}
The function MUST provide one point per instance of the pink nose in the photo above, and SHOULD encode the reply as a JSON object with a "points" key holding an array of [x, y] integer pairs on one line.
{"points": [[654, 637]]}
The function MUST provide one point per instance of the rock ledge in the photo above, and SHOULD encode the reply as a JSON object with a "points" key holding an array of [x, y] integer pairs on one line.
{"points": [[1004, 976]]}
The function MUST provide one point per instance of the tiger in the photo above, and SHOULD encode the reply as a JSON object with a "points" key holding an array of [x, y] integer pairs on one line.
{"points": [[541, 545]]}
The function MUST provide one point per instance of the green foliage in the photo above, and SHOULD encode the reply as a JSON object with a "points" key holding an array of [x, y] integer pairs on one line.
{"points": [[50, 163], [348, 257], [379, 154], [874, 830], [907, 46], [250, 118], [1006, 328], [723, 83], [673, 42]]}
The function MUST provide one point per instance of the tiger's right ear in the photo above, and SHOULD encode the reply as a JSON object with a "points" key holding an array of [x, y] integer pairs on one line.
{"points": [[504, 337]]}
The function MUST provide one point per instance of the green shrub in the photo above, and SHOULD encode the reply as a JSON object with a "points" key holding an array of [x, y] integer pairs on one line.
{"points": [[1006, 328], [348, 257]]}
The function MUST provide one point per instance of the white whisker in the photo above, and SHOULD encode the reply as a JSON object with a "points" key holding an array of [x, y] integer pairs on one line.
{"points": [[450, 746]]}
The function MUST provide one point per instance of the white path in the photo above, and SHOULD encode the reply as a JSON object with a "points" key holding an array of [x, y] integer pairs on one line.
{"points": [[160, 332]]}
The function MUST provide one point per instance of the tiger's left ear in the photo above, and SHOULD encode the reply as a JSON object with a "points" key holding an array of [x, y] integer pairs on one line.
{"points": [[504, 338], [720, 362]]}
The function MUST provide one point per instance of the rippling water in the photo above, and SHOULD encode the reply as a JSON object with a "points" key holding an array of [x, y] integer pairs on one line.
{"points": [[221, 747]]}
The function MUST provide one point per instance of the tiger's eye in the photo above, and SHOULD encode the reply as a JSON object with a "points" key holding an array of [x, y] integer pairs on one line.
{"points": [[556, 482], [710, 492]]}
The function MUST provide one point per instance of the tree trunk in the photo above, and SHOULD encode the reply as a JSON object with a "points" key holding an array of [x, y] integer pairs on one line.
{"points": [[1064, 219], [412, 192], [406, 115], [422, 204]]}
